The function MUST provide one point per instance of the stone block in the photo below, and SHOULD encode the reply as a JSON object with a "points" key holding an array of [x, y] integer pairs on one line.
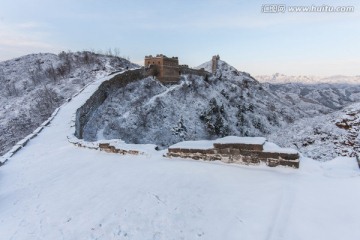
{"points": [[234, 151], [289, 156], [209, 151], [271, 162], [266, 155], [174, 150], [224, 151], [104, 145], [293, 164]]}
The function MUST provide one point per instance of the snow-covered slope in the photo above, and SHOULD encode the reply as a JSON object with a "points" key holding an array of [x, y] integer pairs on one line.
{"points": [[52, 189], [33, 86], [324, 137], [229, 103], [316, 99]]}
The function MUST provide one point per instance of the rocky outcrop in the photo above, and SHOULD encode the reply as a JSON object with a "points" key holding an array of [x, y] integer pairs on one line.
{"points": [[350, 122]]}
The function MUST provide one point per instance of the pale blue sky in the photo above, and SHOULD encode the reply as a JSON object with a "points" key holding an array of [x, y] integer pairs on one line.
{"points": [[255, 42]]}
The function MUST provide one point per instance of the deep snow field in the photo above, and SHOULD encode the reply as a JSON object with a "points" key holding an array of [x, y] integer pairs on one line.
{"points": [[52, 189]]}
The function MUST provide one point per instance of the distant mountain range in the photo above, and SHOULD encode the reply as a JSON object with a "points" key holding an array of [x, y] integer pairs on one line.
{"points": [[279, 78]]}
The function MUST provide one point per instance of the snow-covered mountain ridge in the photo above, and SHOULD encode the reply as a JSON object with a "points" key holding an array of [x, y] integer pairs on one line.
{"points": [[279, 78], [316, 99], [34, 85]]}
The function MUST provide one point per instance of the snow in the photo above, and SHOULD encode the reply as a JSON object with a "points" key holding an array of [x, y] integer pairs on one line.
{"points": [[52, 189], [23, 141], [38, 130], [341, 167], [241, 140], [272, 147], [200, 144], [117, 143]]}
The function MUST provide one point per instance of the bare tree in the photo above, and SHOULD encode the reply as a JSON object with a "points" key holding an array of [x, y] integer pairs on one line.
{"points": [[38, 65], [2, 75], [51, 73], [46, 100], [117, 52], [35, 76], [109, 52], [11, 90]]}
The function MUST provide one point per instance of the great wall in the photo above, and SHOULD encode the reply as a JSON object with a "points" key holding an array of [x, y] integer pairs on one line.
{"points": [[237, 151], [249, 151]]}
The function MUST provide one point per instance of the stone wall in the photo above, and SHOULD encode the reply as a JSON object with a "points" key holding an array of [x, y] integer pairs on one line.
{"points": [[249, 154], [84, 113], [186, 70], [107, 147]]}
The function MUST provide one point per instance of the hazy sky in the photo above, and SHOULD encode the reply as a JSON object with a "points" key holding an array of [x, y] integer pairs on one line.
{"points": [[251, 41]]}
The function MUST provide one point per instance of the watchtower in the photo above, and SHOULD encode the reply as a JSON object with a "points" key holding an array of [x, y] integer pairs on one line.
{"points": [[166, 69], [214, 64]]}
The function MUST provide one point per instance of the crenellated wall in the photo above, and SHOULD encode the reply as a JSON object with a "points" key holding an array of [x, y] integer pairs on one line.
{"points": [[184, 69]]}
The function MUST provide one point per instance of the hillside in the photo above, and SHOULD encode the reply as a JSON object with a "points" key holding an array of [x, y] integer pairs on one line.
{"points": [[52, 189], [324, 137], [33, 86], [316, 99], [228, 103]]}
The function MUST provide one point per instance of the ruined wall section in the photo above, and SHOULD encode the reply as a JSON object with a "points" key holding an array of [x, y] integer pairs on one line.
{"points": [[249, 154]]}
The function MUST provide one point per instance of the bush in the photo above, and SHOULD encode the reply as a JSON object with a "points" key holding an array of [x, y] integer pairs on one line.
{"points": [[46, 100]]}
